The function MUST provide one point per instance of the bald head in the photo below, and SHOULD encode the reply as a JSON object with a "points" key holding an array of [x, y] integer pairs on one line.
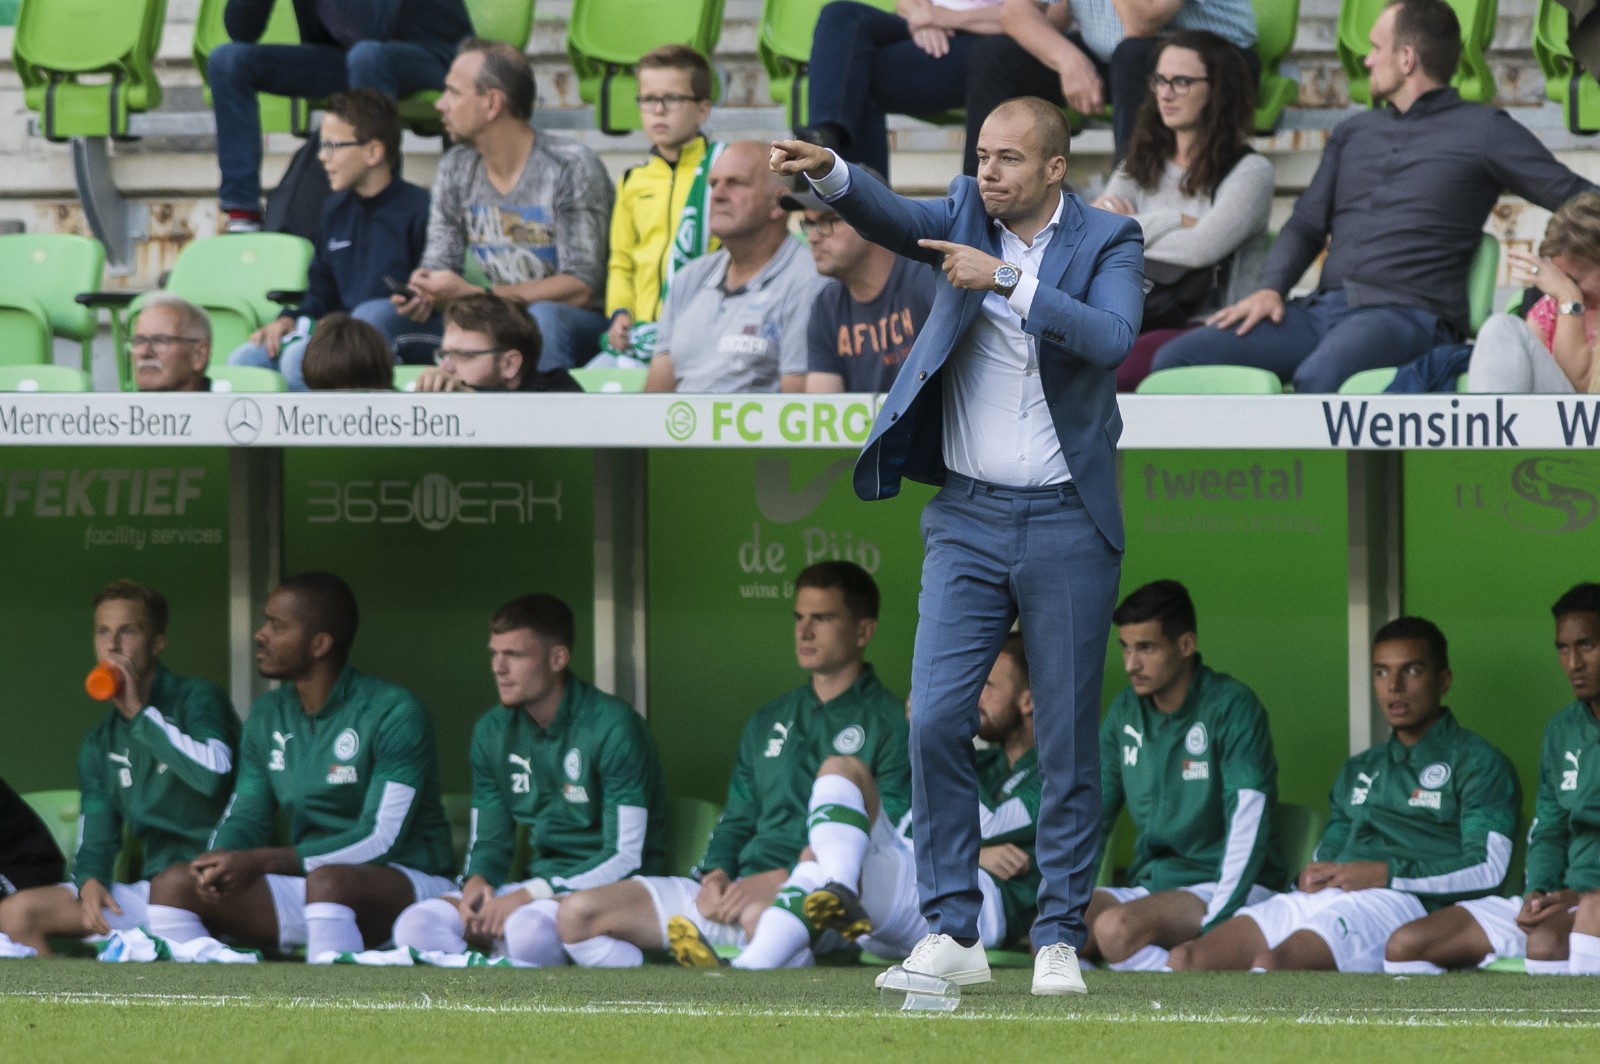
{"points": [[1054, 136], [745, 192]]}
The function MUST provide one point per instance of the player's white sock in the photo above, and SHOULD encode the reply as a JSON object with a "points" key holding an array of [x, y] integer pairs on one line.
{"points": [[1534, 967], [1411, 968], [331, 928], [1148, 959], [531, 937], [174, 924], [434, 924], [1585, 953], [603, 951], [837, 827], [782, 933]]}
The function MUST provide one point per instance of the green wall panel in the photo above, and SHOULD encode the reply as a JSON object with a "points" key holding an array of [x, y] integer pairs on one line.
{"points": [[1491, 540], [433, 542], [73, 519]]}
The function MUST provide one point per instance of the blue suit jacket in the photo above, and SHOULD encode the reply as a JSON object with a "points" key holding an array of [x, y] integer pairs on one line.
{"points": [[1085, 317]]}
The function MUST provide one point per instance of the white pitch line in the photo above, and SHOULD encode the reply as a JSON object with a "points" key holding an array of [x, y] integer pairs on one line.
{"points": [[1369, 1016]]}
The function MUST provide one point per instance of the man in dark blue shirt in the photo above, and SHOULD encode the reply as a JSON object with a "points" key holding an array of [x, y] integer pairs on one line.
{"points": [[395, 46], [374, 226]]}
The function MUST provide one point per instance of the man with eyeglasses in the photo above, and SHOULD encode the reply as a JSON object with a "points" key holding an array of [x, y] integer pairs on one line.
{"points": [[171, 346], [394, 46], [490, 345], [531, 209], [870, 311], [1087, 54], [735, 320], [373, 231]]}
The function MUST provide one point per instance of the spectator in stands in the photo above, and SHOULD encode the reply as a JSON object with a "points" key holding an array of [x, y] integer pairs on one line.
{"points": [[867, 63], [532, 209], [869, 312], [347, 355], [1187, 752], [735, 320], [1556, 924], [351, 758], [1193, 183], [1399, 201], [170, 346], [1105, 58], [394, 46], [490, 345], [659, 223], [158, 766], [1554, 349], [373, 230], [1419, 821]]}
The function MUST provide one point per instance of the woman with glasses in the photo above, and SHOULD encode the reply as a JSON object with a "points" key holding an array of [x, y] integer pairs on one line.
{"points": [[1194, 185]]}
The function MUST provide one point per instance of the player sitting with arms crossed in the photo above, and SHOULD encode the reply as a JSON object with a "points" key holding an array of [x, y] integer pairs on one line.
{"points": [[1556, 925], [1187, 750], [573, 765], [1415, 823], [350, 761], [161, 763], [842, 713]]}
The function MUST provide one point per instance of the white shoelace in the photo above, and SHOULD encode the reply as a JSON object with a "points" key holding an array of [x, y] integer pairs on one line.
{"points": [[1060, 959], [922, 951]]}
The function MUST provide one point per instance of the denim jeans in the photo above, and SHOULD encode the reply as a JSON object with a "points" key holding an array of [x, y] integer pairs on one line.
{"points": [[236, 72], [571, 334], [410, 341]]}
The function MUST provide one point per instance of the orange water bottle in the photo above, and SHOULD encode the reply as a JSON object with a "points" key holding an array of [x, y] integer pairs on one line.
{"points": [[104, 682]]}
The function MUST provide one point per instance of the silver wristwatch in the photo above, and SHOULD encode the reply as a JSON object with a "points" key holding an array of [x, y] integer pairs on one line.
{"points": [[1006, 279], [1575, 308]]}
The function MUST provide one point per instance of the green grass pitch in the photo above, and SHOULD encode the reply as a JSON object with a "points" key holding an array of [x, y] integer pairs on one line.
{"points": [[82, 1012]]}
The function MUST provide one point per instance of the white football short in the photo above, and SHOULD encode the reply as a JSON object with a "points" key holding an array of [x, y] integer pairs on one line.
{"points": [[289, 900], [134, 901], [1204, 891], [675, 896], [1498, 919], [1355, 924], [889, 894]]}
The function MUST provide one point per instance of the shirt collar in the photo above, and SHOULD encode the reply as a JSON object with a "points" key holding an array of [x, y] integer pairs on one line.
{"points": [[1430, 102], [856, 691], [1044, 234], [763, 277], [1430, 745]]}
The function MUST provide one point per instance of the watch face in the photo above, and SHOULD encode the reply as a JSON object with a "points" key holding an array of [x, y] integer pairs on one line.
{"points": [[1007, 276]]}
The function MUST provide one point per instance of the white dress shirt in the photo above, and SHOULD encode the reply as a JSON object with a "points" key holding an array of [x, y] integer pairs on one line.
{"points": [[997, 426]]}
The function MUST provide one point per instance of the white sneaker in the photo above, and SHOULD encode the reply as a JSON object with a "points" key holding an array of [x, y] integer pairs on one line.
{"points": [[944, 958], [1055, 971]]}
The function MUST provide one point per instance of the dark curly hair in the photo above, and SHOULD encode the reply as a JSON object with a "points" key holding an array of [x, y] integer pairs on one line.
{"points": [[1226, 121]]}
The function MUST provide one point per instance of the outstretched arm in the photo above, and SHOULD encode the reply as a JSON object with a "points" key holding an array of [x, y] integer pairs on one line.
{"points": [[886, 219]]}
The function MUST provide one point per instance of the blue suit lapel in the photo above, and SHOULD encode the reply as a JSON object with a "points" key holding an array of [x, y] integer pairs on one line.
{"points": [[1064, 244]]}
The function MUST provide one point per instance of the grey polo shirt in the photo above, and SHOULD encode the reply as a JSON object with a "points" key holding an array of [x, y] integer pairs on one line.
{"points": [[744, 340], [1400, 201]]}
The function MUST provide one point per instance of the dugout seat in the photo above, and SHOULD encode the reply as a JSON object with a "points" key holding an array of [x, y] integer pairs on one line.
{"points": [[1473, 78], [610, 380], [59, 811], [1211, 380], [458, 811], [279, 114], [1368, 382], [605, 38], [1481, 277], [1276, 24], [1299, 828], [405, 377], [510, 21], [690, 822], [225, 378], [1565, 83], [43, 272], [45, 378], [86, 65]]}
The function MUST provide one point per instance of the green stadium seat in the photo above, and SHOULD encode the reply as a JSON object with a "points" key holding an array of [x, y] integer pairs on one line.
{"points": [[1211, 380], [46, 378], [230, 277], [226, 378], [64, 65], [279, 114], [405, 377], [1473, 79], [458, 811], [689, 825], [59, 811], [1299, 828], [43, 272], [1481, 277], [1565, 83], [605, 38], [1276, 24], [611, 380], [510, 21], [1368, 382]]}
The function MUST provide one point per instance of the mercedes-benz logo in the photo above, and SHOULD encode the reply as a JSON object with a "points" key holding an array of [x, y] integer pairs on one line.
{"points": [[244, 421]]}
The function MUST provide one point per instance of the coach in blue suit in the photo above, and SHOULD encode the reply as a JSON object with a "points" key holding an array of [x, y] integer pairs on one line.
{"points": [[1008, 402]]}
